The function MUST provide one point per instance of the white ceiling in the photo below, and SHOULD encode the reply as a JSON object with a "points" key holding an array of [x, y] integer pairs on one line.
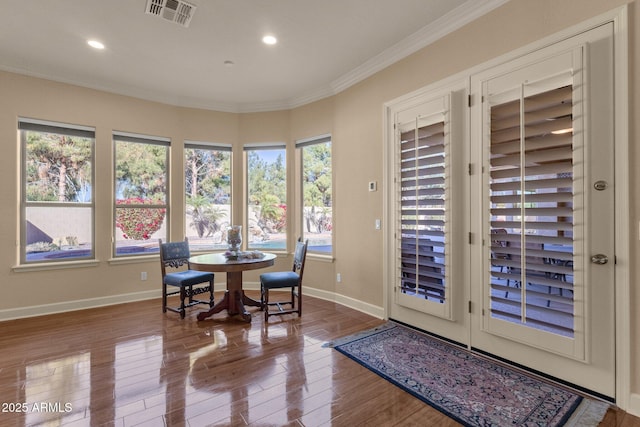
{"points": [[324, 46]]}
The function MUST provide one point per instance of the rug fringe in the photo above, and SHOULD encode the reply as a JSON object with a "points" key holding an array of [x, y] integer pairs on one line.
{"points": [[588, 414]]}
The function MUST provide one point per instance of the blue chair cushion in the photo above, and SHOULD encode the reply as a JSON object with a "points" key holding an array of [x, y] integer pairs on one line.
{"points": [[279, 279], [187, 278]]}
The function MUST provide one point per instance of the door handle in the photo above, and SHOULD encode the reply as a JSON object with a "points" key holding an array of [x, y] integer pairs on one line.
{"points": [[599, 259]]}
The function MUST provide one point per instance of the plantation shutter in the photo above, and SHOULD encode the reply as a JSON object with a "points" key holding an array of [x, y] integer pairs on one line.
{"points": [[421, 185], [531, 204]]}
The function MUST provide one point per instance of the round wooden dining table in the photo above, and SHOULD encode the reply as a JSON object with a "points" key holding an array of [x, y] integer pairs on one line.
{"points": [[234, 300]]}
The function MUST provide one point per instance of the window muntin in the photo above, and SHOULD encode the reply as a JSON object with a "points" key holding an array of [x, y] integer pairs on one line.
{"points": [[266, 197], [207, 169], [141, 193], [57, 203], [317, 189]]}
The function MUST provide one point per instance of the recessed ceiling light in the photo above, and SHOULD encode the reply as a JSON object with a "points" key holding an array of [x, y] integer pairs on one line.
{"points": [[269, 40], [228, 63], [95, 44]]}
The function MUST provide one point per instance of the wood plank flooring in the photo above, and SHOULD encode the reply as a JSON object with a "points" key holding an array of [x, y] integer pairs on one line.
{"points": [[131, 364]]}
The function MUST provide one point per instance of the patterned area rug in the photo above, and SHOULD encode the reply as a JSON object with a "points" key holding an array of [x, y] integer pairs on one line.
{"points": [[470, 389]]}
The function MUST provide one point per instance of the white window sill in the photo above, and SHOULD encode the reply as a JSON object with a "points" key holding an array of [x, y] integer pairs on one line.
{"points": [[54, 265]]}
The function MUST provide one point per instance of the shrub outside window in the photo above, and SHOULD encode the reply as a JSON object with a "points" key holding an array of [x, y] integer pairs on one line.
{"points": [[266, 197], [57, 208], [317, 223], [141, 193], [207, 169]]}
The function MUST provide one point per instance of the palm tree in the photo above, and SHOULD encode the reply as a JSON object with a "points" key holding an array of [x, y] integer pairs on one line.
{"points": [[204, 215]]}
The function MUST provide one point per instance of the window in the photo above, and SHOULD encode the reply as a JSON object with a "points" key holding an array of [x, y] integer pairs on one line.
{"points": [[266, 197], [57, 204], [317, 224], [141, 193], [207, 178]]}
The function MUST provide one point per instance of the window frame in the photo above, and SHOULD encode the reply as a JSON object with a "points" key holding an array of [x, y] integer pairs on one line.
{"points": [[264, 147], [300, 145], [151, 140], [209, 146], [43, 126]]}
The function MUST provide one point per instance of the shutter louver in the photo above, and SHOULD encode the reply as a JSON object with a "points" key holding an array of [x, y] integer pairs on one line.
{"points": [[422, 212], [531, 208]]}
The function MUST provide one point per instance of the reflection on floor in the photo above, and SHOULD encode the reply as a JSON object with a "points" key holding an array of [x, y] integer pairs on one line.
{"points": [[131, 364]]}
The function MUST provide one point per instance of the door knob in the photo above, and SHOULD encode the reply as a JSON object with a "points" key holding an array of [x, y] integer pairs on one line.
{"points": [[600, 185], [599, 259]]}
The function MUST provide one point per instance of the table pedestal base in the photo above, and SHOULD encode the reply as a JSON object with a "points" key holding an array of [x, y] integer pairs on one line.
{"points": [[234, 299]]}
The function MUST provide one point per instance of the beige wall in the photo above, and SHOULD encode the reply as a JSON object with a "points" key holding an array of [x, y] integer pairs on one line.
{"points": [[354, 118]]}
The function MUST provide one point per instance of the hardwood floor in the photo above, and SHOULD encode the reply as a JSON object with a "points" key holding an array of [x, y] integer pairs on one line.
{"points": [[131, 364]]}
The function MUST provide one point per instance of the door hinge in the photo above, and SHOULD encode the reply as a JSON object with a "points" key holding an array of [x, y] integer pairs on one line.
{"points": [[470, 170], [470, 238], [469, 306], [469, 100]]}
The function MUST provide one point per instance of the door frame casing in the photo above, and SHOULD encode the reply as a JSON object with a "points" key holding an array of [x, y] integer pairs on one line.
{"points": [[619, 18]]}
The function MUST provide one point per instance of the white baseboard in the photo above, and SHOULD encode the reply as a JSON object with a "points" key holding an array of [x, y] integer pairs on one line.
{"points": [[370, 309], [63, 307], [634, 404], [364, 307]]}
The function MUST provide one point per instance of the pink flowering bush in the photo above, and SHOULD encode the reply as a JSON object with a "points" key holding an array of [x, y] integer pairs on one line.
{"points": [[138, 223]]}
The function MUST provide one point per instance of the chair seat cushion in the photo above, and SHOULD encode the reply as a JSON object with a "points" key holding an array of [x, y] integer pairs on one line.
{"points": [[279, 279], [187, 278]]}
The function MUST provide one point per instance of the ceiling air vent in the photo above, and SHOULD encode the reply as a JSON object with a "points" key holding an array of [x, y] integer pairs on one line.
{"points": [[177, 11]]}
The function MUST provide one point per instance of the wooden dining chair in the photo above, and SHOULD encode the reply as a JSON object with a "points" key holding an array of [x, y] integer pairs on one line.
{"points": [[174, 257], [282, 280]]}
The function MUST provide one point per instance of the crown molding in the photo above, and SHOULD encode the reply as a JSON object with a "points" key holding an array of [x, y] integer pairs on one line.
{"points": [[457, 18], [311, 96]]}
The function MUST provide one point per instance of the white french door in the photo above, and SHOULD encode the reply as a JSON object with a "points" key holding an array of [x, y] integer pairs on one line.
{"points": [[503, 211], [543, 132]]}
